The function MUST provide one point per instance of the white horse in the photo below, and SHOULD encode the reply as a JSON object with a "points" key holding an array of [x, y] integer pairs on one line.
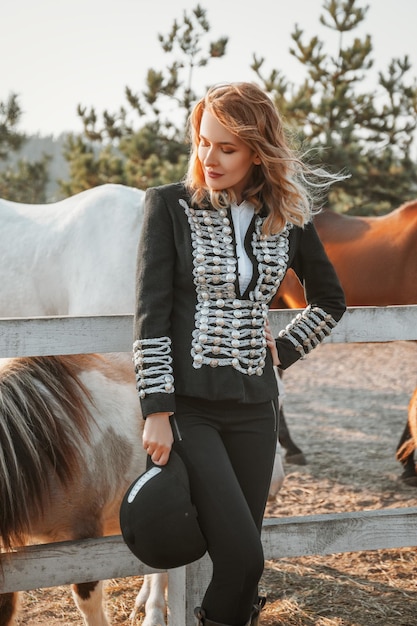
{"points": [[73, 257], [78, 257]]}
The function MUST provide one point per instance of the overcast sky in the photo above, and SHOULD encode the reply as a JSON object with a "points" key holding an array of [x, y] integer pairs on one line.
{"points": [[56, 54]]}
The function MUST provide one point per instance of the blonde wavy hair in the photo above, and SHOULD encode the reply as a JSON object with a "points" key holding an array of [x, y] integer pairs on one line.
{"points": [[282, 182]]}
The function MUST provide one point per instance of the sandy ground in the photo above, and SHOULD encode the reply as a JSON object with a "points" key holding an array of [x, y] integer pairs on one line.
{"points": [[346, 406]]}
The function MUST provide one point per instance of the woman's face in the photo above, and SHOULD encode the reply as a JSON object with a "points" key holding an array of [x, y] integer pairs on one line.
{"points": [[227, 161]]}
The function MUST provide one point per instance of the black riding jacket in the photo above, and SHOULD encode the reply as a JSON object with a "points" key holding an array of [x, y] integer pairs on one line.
{"points": [[195, 334]]}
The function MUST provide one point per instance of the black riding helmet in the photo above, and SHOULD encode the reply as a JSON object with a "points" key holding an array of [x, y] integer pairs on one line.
{"points": [[158, 520]]}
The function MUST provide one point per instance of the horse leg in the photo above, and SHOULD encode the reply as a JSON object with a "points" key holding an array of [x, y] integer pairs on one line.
{"points": [[8, 608], [278, 474], [89, 599], [293, 454], [152, 596], [409, 475]]}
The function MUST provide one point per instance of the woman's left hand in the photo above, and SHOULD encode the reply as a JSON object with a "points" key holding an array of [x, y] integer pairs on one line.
{"points": [[270, 342]]}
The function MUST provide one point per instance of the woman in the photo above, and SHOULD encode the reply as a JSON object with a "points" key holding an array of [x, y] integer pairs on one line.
{"points": [[212, 254]]}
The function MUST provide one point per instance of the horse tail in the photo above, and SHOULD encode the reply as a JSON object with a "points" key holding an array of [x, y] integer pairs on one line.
{"points": [[408, 447], [44, 417]]}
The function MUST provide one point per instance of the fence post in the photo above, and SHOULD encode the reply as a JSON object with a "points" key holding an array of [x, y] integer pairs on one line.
{"points": [[186, 586], [177, 609], [197, 578]]}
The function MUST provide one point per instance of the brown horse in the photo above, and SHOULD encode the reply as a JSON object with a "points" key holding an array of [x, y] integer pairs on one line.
{"points": [[376, 261], [407, 446]]}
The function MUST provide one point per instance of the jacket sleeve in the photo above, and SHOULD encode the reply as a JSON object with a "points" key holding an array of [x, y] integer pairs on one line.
{"points": [[324, 295], [152, 354]]}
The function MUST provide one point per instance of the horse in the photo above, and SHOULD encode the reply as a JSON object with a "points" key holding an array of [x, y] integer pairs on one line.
{"points": [[408, 443], [77, 257], [71, 257], [69, 432], [375, 259]]}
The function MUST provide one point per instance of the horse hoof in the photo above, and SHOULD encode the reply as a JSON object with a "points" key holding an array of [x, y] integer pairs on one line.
{"points": [[296, 459]]}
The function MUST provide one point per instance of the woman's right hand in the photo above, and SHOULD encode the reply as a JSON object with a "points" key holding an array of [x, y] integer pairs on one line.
{"points": [[157, 437]]}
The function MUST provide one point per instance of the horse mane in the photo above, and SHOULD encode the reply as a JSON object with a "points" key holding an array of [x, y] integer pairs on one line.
{"points": [[44, 416]]}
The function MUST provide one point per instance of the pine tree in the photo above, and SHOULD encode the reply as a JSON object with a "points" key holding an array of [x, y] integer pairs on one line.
{"points": [[10, 114], [153, 150], [21, 181], [90, 165], [366, 134], [332, 115]]}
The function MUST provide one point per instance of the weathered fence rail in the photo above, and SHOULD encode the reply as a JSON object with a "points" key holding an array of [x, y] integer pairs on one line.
{"points": [[94, 559], [58, 563], [113, 333]]}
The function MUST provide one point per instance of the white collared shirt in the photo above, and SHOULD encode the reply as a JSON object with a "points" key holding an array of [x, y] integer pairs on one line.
{"points": [[242, 215]]}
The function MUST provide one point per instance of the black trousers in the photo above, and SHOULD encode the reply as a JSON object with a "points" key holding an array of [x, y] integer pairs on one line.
{"points": [[229, 451]]}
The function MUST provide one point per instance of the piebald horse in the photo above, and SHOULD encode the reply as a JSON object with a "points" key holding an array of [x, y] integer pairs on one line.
{"points": [[376, 261], [73, 257], [69, 432]]}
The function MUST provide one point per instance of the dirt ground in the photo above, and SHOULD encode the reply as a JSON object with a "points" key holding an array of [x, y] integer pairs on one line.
{"points": [[346, 406]]}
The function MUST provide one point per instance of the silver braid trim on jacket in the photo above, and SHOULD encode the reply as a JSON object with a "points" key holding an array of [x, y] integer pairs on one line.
{"points": [[230, 331], [152, 359], [308, 329]]}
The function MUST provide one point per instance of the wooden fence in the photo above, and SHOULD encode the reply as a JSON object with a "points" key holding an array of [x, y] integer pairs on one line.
{"points": [[99, 559]]}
